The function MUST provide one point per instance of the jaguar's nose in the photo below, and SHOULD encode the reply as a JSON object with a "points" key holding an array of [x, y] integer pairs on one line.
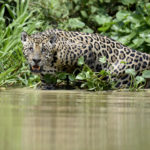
{"points": [[36, 61]]}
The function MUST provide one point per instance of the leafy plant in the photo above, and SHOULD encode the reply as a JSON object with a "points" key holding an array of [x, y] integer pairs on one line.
{"points": [[85, 79], [13, 69], [94, 81], [137, 82]]}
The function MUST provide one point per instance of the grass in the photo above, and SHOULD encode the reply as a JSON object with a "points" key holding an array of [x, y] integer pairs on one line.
{"points": [[13, 68]]}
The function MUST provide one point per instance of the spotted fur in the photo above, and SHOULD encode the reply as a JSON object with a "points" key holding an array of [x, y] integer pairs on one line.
{"points": [[57, 51]]}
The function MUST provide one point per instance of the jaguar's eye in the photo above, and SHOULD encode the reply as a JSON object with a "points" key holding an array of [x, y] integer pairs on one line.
{"points": [[43, 49], [31, 48]]}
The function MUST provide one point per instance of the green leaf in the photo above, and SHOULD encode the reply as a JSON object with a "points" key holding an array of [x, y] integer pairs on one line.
{"points": [[102, 19], [146, 74], [94, 9], [84, 13], [2, 10], [130, 72], [145, 35], [80, 76], [88, 74], [81, 61], [122, 14], [75, 23], [87, 30], [147, 19], [103, 73], [128, 2], [5, 73], [126, 39], [91, 86], [72, 77], [138, 41], [62, 76], [102, 60], [136, 19], [105, 27], [11, 12], [147, 5], [83, 85], [139, 79]]}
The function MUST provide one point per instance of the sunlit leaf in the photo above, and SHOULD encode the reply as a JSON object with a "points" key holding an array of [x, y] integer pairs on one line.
{"points": [[87, 74], [102, 19], [81, 61], [76, 23], [80, 76], [140, 79], [87, 30], [128, 2], [102, 60], [130, 72], [146, 74], [122, 14], [84, 13]]}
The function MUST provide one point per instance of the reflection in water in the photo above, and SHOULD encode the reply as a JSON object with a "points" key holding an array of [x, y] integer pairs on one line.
{"points": [[74, 120]]}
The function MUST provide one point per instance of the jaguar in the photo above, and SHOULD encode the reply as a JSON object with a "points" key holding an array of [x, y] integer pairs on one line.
{"points": [[56, 50]]}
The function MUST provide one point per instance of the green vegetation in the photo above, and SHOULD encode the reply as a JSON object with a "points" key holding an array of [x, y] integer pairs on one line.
{"points": [[84, 79], [137, 82], [14, 17], [95, 81], [127, 21]]}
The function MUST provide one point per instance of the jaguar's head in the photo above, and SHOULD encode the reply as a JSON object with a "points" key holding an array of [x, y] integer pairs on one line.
{"points": [[38, 49]]}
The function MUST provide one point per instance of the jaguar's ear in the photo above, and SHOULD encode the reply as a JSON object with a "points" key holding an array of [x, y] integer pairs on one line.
{"points": [[24, 36]]}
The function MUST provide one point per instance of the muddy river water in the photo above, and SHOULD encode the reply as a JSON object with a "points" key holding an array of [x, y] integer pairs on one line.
{"points": [[74, 120]]}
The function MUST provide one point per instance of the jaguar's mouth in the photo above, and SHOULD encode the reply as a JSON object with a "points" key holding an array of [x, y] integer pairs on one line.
{"points": [[36, 69]]}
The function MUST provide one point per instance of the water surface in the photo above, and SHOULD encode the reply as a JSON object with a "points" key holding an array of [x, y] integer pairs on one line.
{"points": [[74, 120]]}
